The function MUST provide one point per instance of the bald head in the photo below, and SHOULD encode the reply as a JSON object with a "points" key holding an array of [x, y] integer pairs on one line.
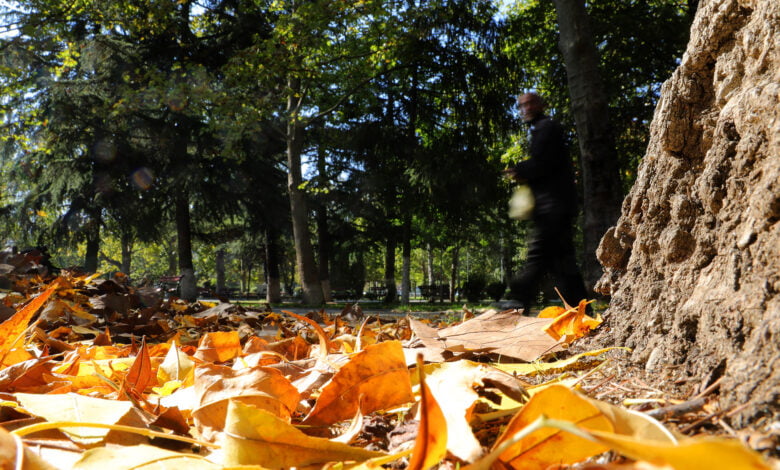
{"points": [[531, 106]]}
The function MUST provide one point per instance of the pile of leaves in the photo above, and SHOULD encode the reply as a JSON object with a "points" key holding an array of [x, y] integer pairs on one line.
{"points": [[98, 374]]}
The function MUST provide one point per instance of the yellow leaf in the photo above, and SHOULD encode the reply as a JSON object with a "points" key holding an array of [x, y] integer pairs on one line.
{"points": [[176, 366], [74, 407], [219, 346], [167, 388], [551, 446], [534, 368], [256, 437], [690, 454], [374, 379], [140, 457], [430, 446]]}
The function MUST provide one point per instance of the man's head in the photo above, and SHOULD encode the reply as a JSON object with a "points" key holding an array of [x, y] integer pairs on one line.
{"points": [[531, 106]]}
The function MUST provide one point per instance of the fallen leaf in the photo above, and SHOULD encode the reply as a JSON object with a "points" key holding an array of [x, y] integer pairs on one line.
{"points": [[572, 324], [11, 330], [256, 437], [503, 333], [689, 454], [262, 387], [139, 376], [219, 346], [547, 446], [72, 407], [14, 454], [376, 378], [140, 457], [177, 366], [431, 443], [538, 367]]}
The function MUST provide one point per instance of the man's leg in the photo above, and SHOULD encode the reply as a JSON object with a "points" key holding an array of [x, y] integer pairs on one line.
{"points": [[564, 267], [525, 285]]}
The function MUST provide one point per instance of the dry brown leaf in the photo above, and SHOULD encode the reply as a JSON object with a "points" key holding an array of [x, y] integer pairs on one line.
{"points": [[256, 437], [377, 378], [503, 333]]}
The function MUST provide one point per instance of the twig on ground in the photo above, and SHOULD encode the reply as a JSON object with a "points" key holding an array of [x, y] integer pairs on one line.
{"points": [[673, 411]]}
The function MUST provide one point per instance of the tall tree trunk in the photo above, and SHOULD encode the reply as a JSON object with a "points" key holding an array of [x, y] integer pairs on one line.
{"points": [[603, 193], [93, 249], [127, 252], [219, 267], [406, 257], [273, 279], [304, 252], [323, 232], [188, 284], [429, 259], [391, 294], [454, 272]]}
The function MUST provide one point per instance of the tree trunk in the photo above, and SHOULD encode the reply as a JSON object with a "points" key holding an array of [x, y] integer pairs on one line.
{"points": [[188, 285], [391, 294], [454, 272], [693, 265], [93, 249], [602, 189], [304, 252], [431, 276], [406, 263], [219, 267], [273, 279], [325, 242], [127, 252]]}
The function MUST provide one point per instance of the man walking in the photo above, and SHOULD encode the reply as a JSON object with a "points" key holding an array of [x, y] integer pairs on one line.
{"points": [[550, 175]]}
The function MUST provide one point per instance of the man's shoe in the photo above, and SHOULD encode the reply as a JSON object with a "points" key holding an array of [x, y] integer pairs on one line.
{"points": [[508, 305]]}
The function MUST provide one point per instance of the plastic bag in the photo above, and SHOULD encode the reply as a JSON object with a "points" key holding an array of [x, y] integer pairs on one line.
{"points": [[521, 204]]}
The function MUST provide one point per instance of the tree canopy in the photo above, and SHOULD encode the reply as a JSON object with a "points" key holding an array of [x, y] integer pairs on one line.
{"points": [[138, 123]]}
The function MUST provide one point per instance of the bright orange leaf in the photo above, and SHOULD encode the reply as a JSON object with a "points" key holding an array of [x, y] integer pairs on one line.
{"points": [[140, 374], [572, 324], [11, 330], [219, 346], [374, 379]]}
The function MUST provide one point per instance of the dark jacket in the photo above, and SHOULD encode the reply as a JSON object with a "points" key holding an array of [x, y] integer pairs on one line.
{"points": [[549, 170]]}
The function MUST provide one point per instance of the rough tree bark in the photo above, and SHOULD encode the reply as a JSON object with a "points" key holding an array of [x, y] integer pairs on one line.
{"points": [[304, 252], [602, 190], [693, 264]]}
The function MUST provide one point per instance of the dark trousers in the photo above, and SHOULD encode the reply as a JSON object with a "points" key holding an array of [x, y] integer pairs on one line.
{"points": [[550, 250]]}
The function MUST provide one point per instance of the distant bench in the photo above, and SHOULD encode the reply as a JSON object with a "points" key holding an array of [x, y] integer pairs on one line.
{"points": [[435, 292]]}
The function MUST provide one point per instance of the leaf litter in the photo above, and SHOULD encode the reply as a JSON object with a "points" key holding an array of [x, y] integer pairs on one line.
{"points": [[98, 373]]}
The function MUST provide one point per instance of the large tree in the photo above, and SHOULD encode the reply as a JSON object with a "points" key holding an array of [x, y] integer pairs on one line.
{"points": [[693, 263]]}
